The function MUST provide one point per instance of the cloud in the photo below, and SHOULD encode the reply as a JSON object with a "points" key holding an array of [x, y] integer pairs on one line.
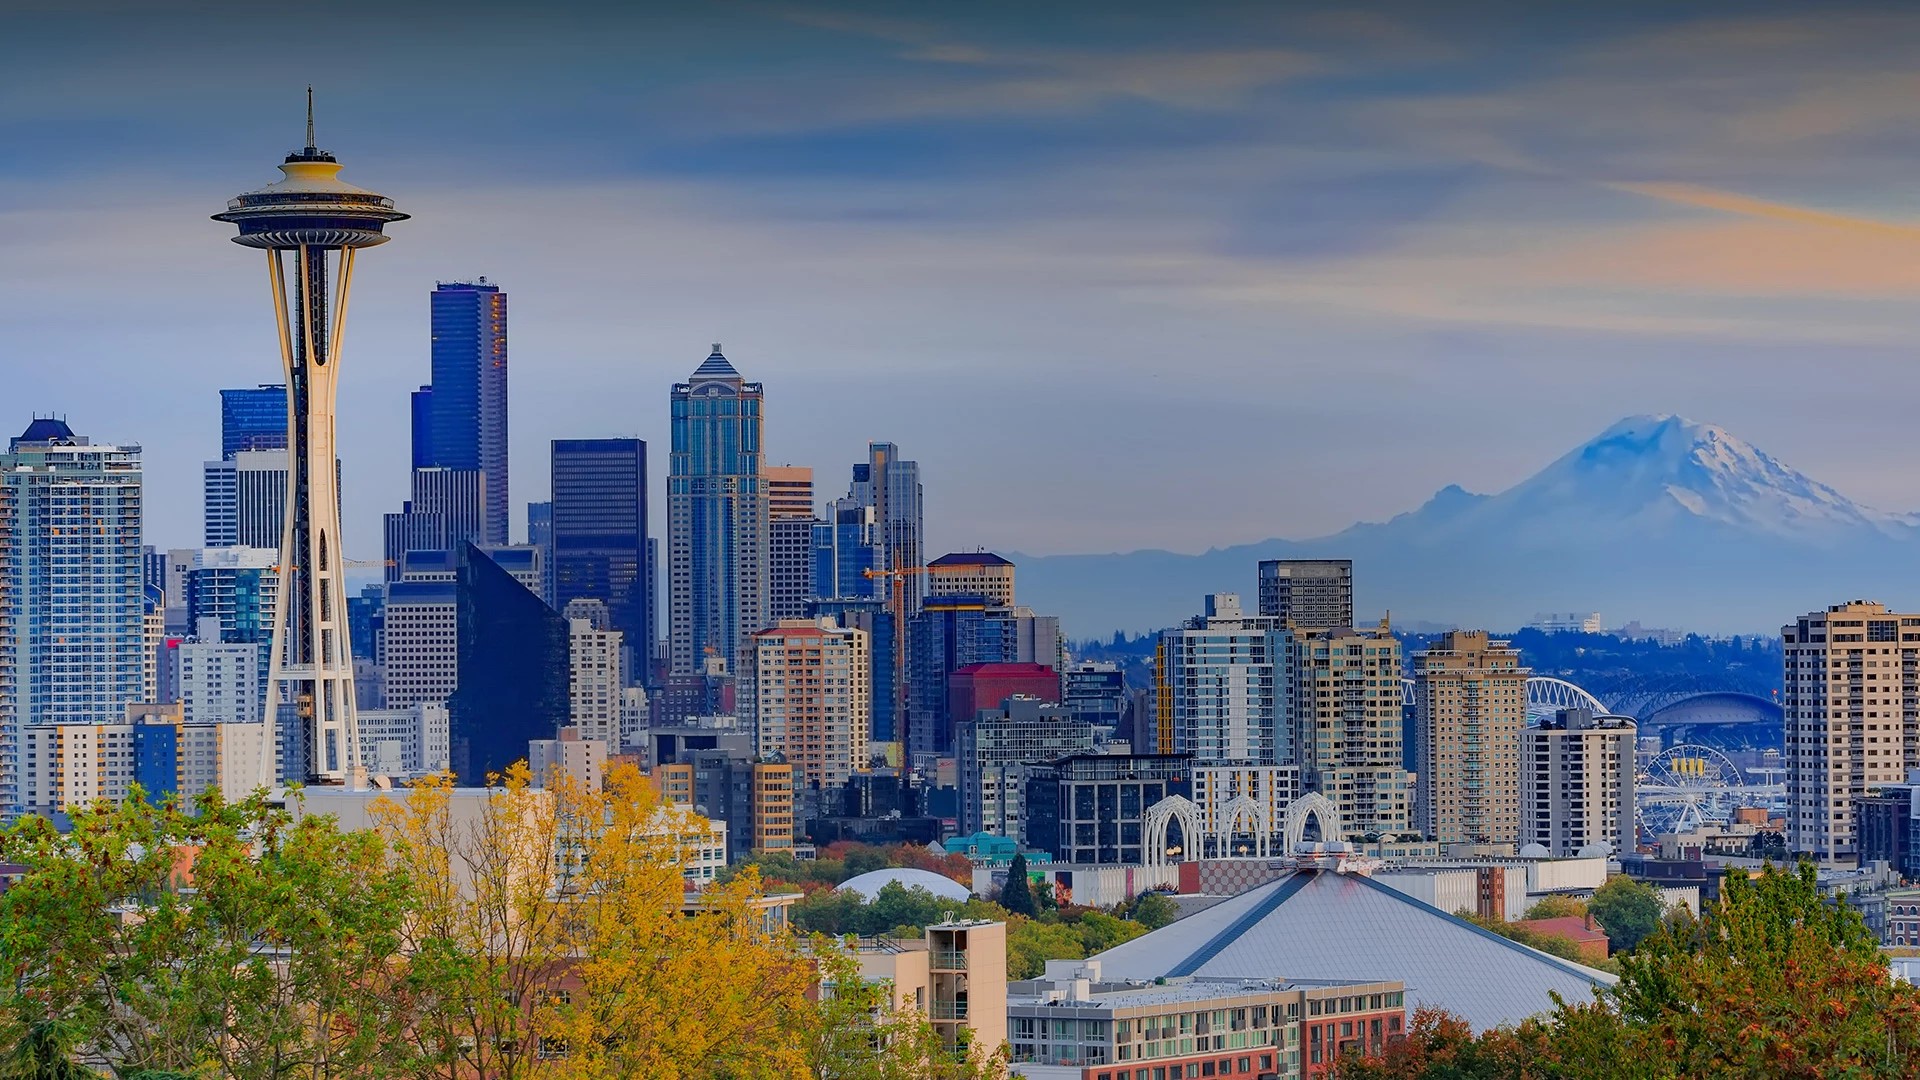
{"points": [[1019, 79], [1729, 202]]}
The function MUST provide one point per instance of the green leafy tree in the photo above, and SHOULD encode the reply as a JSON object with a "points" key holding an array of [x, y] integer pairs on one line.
{"points": [[1627, 910], [1770, 982], [235, 941], [1031, 943], [44, 1052], [1555, 906], [896, 906], [1099, 931], [1017, 895], [1153, 910]]}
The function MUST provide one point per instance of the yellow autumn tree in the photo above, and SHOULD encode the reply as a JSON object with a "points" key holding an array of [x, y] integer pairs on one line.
{"points": [[554, 937]]}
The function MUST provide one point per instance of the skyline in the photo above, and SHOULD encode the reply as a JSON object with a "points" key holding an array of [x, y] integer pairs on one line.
{"points": [[965, 225]]}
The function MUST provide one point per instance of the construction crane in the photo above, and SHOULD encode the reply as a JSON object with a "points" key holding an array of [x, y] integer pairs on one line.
{"points": [[898, 607]]}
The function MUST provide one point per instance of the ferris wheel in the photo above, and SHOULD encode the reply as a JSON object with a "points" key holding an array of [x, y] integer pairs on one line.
{"points": [[1686, 786]]}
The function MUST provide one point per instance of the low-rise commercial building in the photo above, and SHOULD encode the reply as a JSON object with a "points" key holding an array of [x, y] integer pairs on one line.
{"points": [[1091, 808], [1070, 1025]]}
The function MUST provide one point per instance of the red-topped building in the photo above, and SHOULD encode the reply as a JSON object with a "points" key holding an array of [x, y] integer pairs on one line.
{"points": [[985, 686]]}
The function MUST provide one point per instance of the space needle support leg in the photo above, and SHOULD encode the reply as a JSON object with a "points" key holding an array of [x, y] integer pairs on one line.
{"points": [[276, 657], [338, 628]]}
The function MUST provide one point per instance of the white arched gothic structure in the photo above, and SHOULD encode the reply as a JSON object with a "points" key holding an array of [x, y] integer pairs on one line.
{"points": [[1245, 829], [1324, 813], [1154, 841]]}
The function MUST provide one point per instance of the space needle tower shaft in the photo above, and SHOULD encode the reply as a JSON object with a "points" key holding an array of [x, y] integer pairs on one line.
{"points": [[311, 223]]}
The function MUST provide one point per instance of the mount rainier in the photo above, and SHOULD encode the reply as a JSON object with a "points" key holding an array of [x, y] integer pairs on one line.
{"points": [[1657, 518]]}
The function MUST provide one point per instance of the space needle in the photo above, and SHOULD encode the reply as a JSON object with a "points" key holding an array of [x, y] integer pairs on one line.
{"points": [[310, 223]]}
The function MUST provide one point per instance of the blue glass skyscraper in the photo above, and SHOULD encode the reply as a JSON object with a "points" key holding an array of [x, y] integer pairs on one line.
{"points": [[844, 549], [467, 405], [716, 516], [253, 419], [597, 529]]}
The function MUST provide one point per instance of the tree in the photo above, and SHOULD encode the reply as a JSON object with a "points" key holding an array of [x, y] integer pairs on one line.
{"points": [[1441, 1046], [44, 1052], [1627, 910], [1031, 943], [556, 938], [1153, 910], [235, 939], [1556, 906], [1017, 895]]}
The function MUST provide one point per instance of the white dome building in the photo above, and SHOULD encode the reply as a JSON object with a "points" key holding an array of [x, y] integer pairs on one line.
{"points": [[868, 885]]}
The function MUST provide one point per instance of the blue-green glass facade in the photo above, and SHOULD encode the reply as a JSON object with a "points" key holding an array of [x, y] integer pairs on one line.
{"points": [[716, 516]]}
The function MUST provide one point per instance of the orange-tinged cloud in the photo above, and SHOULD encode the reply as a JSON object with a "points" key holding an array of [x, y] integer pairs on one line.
{"points": [[1781, 256], [1734, 203]]}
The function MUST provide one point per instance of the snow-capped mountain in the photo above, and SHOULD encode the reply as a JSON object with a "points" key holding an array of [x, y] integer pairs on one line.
{"points": [[1658, 518]]}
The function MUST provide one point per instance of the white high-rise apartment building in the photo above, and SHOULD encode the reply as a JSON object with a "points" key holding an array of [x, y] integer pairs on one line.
{"points": [[244, 499], [1472, 707], [1347, 719], [219, 682], [1852, 703], [1224, 687], [1576, 784], [419, 643], [596, 679], [806, 689], [405, 743], [1272, 788], [72, 624]]}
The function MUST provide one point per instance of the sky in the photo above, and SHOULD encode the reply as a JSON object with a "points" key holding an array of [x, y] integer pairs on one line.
{"points": [[1119, 276]]}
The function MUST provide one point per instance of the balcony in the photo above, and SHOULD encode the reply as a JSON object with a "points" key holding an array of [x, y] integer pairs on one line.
{"points": [[949, 960], [949, 1010]]}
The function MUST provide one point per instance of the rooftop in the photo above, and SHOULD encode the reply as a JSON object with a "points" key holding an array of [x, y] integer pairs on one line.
{"points": [[46, 429], [971, 558], [1176, 991], [715, 366], [1315, 924]]}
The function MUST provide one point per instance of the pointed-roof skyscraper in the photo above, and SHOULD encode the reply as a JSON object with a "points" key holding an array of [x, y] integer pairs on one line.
{"points": [[716, 517]]}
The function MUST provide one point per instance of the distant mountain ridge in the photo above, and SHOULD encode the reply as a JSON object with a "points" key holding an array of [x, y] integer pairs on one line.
{"points": [[1657, 518]]}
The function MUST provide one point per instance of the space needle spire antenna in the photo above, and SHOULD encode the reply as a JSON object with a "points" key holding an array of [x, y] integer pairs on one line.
{"points": [[311, 223]]}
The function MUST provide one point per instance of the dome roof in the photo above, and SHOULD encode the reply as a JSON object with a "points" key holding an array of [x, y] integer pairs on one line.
{"points": [[1535, 851], [868, 885], [1599, 849]]}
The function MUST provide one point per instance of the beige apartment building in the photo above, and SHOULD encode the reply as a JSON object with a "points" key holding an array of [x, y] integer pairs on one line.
{"points": [[956, 975], [972, 573], [1851, 695], [806, 688], [1346, 712], [1472, 706], [1576, 783]]}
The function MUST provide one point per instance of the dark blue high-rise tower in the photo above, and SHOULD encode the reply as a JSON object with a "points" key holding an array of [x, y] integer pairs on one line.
{"points": [[253, 419], [467, 408], [598, 525]]}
